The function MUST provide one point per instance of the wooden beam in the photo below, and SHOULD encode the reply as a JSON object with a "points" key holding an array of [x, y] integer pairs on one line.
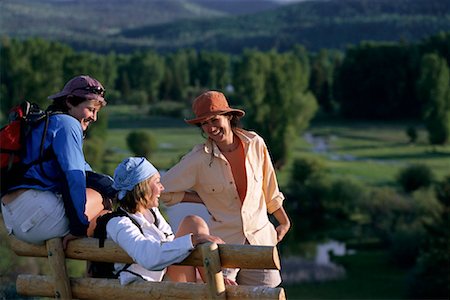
{"points": [[95, 288], [232, 256], [213, 270], [57, 264]]}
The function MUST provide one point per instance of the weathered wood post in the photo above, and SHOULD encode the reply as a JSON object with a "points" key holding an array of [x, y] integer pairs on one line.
{"points": [[57, 262], [213, 270]]}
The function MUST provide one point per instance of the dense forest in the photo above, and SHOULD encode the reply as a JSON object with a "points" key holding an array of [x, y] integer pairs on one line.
{"points": [[283, 91], [169, 25]]}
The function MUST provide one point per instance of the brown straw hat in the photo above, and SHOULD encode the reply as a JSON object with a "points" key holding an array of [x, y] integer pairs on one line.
{"points": [[209, 104]]}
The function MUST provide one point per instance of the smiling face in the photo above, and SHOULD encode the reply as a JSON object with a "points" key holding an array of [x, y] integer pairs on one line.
{"points": [[85, 112], [218, 128], [156, 187]]}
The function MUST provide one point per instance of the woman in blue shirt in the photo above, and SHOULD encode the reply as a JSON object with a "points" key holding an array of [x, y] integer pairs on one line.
{"points": [[52, 200]]}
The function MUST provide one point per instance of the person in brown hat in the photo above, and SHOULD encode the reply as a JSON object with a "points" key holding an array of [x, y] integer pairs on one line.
{"points": [[53, 199], [232, 174]]}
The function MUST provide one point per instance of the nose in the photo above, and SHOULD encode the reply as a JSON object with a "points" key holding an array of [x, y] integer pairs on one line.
{"points": [[94, 116]]}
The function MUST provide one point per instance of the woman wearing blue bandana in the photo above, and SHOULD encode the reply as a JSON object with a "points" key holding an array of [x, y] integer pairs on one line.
{"points": [[153, 246]]}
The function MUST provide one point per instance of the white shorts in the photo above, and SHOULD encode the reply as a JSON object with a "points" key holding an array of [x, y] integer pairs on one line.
{"points": [[36, 216], [267, 277]]}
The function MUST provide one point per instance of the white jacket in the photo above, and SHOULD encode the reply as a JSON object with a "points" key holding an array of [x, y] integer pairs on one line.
{"points": [[153, 250]]}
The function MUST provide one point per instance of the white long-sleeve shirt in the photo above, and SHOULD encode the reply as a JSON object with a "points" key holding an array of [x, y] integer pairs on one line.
{"points": [[153, 250]]}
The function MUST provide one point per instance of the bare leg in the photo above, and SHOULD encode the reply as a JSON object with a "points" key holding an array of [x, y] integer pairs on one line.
{"points": [[190, 224], [94, 209]]}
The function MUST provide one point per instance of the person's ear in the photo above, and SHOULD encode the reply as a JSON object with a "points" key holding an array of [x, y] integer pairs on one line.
{"points": [[68, 104]]}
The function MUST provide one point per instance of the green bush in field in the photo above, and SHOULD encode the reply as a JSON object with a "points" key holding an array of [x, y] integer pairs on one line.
{"points": [[414, 177], [430, 278], [397, 220], [411, 132], [141, 143], [306, 168], [94, 152], [321, 203]]}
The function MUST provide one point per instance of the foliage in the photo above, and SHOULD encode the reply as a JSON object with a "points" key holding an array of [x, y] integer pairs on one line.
{"points": [[30, 70], [169, 108], [274, 91], [324, 206], [208, 25], [430, 278], [376, 81], [306, 168], [434, 90], [414, 177], [141, 142], [94, 151], [411, 132], [323, 66]]}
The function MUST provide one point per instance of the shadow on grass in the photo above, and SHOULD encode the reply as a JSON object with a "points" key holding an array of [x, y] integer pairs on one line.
{"points": [[369, 276]]}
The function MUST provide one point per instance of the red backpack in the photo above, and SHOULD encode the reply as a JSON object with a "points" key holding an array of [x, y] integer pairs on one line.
{"points": [[22, 119]]}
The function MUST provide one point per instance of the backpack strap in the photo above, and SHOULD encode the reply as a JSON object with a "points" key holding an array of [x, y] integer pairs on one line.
{"points": [[154, 216], [102, 221]]}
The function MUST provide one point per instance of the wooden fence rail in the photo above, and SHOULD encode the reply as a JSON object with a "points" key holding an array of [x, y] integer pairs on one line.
{"points": [[211, 256]]}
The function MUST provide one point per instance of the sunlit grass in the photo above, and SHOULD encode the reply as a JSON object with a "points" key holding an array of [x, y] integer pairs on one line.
{"points": [[366, 151]]}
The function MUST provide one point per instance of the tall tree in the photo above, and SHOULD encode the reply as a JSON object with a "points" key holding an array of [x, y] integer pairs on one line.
{"points": [[31, 70], [176, 77], [376, 81], [274, 89], [434, 89]]}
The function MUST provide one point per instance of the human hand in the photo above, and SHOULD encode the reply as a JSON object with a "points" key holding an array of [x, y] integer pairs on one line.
{"points": [[282, 229], [68, 238], [200, 238], [229, 281]]}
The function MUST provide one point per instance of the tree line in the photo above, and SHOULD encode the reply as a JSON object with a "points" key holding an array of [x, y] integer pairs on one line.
{"points": [[281, 91]]}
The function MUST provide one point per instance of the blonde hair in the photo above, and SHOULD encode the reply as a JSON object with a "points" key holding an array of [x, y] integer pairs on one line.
{"points": [[138, 196]]}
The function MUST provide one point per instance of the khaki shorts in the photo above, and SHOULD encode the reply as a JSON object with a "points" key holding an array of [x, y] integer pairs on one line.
{"points": [[36, 216], [270, 278]]}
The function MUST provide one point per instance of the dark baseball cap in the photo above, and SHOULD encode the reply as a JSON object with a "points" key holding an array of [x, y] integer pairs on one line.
{"points": [[83, 86]]}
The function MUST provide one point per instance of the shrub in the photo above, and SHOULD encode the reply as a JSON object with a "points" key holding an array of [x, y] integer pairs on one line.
{"points": [[415, 177], [306, 168], [141, 143], [405, 245], [411, 132], [94, 152]]}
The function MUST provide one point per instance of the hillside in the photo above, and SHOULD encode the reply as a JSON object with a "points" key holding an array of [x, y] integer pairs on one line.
{"points": [[228, 26]]}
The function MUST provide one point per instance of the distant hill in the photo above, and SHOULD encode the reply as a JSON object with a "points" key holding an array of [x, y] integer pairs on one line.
{"points": [[225, 25]]}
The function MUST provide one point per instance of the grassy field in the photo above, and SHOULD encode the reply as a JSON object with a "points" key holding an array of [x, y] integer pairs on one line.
{"points": [[372, 153]]}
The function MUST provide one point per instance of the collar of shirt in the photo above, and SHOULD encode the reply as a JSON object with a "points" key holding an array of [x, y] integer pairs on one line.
{"points": [[211, 147]]}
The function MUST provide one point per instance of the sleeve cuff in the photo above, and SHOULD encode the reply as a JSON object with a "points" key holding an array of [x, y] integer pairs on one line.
{"points": [[275, 204]]}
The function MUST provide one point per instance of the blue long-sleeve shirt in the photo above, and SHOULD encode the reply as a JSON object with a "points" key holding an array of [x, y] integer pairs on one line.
{"points": [[65, 173]]}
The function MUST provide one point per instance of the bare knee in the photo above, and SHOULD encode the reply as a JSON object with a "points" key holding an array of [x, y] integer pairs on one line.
{"points": [[192, 224]]}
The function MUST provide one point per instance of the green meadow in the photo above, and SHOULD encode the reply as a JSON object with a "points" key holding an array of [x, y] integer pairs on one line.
{"points": [[372, 153]]}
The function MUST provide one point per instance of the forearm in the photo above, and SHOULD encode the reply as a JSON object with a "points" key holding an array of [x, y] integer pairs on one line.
{"points": [[282, 217], [191, 197]]}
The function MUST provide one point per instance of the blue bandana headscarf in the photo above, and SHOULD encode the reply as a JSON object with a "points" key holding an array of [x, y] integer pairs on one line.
{"points": [[130, 172]]}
